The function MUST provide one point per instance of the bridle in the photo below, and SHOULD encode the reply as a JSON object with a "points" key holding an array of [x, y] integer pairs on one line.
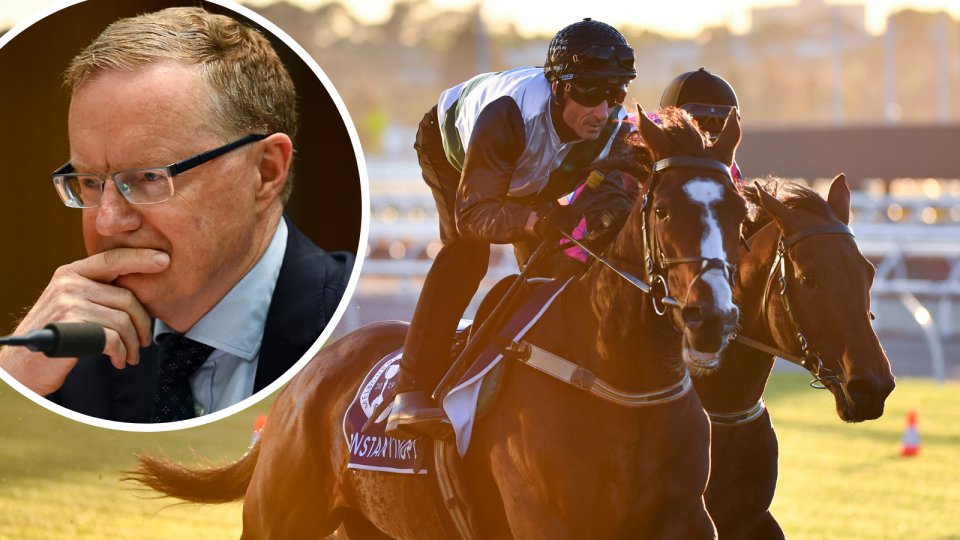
{"points": [[811, 359], [656, 264]]}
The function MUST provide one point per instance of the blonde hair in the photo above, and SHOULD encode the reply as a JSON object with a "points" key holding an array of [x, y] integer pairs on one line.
{"points": [[250, 89]]}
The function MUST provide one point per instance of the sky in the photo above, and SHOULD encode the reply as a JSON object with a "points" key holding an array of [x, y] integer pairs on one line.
{"points": [[679, 18]]}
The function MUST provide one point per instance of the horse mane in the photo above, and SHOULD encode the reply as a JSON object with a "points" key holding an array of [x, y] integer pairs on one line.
{"points": [[791, 194], [629, 153]]}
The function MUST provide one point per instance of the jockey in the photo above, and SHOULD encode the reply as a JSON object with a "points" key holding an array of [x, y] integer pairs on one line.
{"points": [[708, 98], [497, 151]]}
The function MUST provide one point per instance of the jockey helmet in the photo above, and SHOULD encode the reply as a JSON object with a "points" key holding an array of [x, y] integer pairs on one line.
{"points": [[590, 50], [707, 97]]}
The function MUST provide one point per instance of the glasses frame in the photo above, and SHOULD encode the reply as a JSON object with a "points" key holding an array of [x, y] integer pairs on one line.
{"points": [[179, 167]]}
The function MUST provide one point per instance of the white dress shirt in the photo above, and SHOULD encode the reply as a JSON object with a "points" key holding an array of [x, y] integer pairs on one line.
{"points": [[234, 328]]}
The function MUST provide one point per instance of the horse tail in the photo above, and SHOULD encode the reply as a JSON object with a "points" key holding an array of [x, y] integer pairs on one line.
{"points": [[211, 485]]}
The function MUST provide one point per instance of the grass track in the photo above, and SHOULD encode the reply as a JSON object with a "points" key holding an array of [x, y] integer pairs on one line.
{"points": [[58, 478]]}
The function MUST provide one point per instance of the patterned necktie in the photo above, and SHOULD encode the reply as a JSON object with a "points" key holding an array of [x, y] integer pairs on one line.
{"points": [[180, 358]]}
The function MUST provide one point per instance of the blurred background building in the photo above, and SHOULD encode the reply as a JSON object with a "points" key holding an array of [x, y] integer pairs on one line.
{"points": [[821, 92]]}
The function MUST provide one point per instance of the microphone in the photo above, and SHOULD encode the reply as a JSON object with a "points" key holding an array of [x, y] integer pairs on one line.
{"points": [[63, 340]]}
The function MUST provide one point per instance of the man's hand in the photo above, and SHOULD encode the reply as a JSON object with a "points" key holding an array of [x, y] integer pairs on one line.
{"points": [[81, 292], [556, 220]]}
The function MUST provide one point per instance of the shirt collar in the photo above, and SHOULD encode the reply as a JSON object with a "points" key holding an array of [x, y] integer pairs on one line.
{"points": [[235, 325]]}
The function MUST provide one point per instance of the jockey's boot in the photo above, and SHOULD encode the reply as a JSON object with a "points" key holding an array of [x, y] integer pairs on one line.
{"points": [[415, 414]]}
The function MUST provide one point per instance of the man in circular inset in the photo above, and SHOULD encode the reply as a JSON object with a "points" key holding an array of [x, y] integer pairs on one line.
{"points": [[181, 129]]}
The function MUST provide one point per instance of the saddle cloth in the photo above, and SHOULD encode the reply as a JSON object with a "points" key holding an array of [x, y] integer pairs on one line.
{"points": [[374, 450]]}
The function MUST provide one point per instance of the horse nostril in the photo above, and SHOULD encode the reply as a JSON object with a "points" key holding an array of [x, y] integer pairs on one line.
{"points": [[691, 315], [734, 316], [861, 391]]}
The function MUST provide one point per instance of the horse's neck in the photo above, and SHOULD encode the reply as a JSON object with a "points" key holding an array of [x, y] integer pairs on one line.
{"points": [[631, 346], [744, 371]]}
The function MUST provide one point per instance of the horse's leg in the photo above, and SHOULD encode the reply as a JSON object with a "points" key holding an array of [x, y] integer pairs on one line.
{"points": [[743, 478]]}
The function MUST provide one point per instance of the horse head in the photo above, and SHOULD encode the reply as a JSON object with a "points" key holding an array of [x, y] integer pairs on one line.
{"points": [[691, 214], [817, 300]]}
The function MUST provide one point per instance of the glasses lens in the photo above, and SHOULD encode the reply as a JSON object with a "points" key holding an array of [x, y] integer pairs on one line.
{"points": [[626, 59], [599, 56], [710, 124], [144, 186], [78, 191], [594, 95]]}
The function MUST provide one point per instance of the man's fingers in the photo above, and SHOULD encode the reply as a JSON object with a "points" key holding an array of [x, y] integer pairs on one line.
{"points": [[125, 301], [115, 349], [111, 264], [119, 323]]}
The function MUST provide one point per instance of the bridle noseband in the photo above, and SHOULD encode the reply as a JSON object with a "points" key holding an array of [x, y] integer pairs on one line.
{"points": [[810, 359]]}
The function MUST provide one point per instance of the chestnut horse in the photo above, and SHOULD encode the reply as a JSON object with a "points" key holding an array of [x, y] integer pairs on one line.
{"points": [[548, 460], [828, 288]]}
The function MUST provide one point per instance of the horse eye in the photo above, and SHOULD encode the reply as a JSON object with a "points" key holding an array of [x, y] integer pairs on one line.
{"points": [[661, 213], [872, 316], [808, 281]]}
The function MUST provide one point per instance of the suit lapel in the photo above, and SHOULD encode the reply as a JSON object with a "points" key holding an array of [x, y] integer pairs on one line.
{"points": [[296, 316]]}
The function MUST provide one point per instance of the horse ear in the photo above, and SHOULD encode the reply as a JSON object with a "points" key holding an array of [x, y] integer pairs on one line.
{"points": [[729, 136], [779, 211], [657, 141], [839, 199]]}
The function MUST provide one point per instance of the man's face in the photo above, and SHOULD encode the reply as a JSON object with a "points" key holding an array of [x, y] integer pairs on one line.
{"points": [[152, 117], [587, 122]]}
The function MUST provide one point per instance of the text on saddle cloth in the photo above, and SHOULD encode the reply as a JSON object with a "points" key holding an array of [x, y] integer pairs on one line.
{"points": [[460, 403], [374, 450]]}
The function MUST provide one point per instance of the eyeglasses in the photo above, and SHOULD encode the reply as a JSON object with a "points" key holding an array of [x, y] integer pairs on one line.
{"points": [[139, 186], [596, 56], [591, 96], [710, 118]]}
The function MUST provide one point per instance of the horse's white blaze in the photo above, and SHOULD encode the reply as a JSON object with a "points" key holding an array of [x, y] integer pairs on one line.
{"points": [[706, 193]]}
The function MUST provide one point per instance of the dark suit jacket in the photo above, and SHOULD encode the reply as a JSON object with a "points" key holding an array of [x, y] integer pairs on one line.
{"points": [[309, 288]]}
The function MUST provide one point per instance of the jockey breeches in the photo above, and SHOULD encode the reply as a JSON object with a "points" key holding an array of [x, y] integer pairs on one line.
{"points": [[453, 278]]}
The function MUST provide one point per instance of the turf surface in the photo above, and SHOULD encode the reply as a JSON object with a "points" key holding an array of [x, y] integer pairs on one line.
{"points": [[59, 478]]}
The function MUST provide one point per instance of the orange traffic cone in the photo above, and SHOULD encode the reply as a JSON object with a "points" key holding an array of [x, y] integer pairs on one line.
{"points": [[911, 436], [258, 423]]}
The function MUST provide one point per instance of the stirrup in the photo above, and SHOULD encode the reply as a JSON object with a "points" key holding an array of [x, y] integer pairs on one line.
{"points": [[414, 415]]}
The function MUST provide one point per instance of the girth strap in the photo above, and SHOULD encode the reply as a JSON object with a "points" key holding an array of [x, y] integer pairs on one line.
{"points": [[583, 379], [449, 496], [734, 419]]}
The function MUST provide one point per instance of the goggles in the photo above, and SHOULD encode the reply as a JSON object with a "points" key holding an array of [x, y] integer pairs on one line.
{"points": [[598, 56], [591, 96], [710, 118]]}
